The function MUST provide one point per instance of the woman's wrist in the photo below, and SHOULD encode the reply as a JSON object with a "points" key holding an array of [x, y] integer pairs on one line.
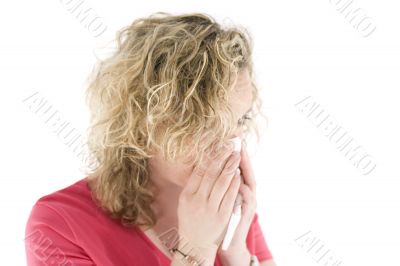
{"points": [[192, 254], [193, 258]]}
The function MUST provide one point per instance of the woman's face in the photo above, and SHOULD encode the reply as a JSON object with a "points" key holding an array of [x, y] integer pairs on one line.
{"points": [[240, 100]]}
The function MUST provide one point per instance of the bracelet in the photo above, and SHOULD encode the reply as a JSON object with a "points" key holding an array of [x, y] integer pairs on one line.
{"points": [[254, 261], [189, 259]]}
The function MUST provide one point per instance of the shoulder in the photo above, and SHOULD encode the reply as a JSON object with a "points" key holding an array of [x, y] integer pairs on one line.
{"points": [[56, 210], [67, 196], [50, 228]]}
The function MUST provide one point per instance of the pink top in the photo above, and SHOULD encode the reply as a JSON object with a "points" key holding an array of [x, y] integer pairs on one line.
{"points": [[67, 228]]}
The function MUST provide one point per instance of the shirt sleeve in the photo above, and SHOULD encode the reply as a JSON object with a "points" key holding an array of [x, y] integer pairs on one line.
{"points": [[256, 242], [50, 241]]}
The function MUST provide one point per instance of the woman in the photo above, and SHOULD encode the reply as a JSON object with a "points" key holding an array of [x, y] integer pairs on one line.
{"points": [[164, 179]]}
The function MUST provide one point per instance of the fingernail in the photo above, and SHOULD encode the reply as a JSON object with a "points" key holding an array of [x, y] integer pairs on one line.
{"points": [[236, 154]]}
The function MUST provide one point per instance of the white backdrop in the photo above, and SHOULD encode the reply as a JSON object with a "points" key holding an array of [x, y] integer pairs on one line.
{"points": [[327, 167]]}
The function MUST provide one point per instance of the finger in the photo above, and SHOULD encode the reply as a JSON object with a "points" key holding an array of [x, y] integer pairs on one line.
{"points": [[219, 158], [213, 171], [195, 178], [198, 171], [249, 200], [228, 200], [224, 180], [247, 169]]}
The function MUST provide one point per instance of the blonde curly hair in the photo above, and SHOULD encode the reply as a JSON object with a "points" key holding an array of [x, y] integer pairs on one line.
{"points": [[165, 88]]}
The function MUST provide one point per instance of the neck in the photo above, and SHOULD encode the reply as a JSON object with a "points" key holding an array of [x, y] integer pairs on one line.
{"points": [[166, 195], [165, 205], [167, 180]]}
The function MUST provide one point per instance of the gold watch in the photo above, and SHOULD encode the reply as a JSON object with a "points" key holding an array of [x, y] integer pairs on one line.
{"points": [[254, 261], [190, 260]]}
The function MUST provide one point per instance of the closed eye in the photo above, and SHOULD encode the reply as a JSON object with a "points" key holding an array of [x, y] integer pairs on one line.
{"points": [[243, 120]]}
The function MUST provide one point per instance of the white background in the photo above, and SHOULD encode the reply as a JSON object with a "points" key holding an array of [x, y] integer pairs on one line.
{"points": [[301, 49]]}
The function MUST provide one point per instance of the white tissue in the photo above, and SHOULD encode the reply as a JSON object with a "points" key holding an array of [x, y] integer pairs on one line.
{"points": [[237, 210], [233, 223], [238, 143]]}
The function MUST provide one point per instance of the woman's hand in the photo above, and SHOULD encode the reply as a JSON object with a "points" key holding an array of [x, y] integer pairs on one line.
{"points": [[206, 203], [237, 252]]}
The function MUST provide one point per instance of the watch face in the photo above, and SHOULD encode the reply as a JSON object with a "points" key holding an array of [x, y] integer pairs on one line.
{"points": [[254, 261], [191, 260]]}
